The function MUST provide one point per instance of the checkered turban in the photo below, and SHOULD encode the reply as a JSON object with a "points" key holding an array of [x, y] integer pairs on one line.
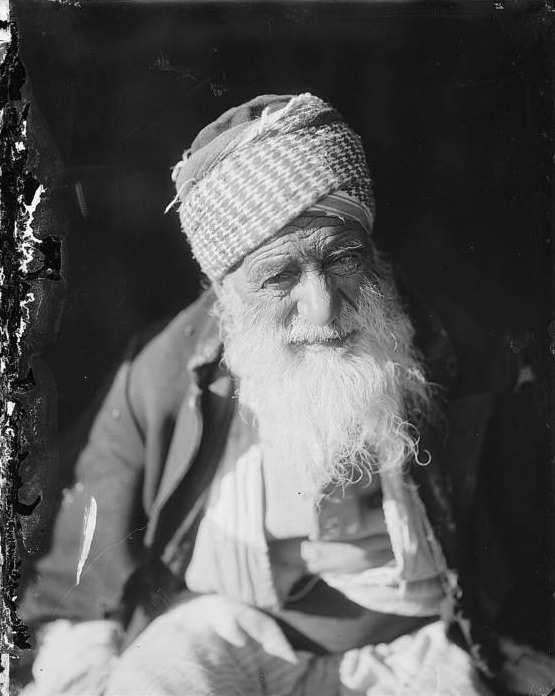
{"points": [[257, 168]]}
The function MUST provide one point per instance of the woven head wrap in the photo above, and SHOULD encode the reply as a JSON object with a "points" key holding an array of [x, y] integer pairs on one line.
{"points": [[258, 167]]}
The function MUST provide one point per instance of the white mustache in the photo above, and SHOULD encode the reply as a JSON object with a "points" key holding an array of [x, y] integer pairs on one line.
{"points": [[301, 331]]}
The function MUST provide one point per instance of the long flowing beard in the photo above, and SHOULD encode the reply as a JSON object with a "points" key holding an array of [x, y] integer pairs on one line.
{"points": [[342, 410]]}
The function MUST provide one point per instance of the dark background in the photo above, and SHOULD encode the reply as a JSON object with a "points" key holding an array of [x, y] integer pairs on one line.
{"points": [[452, 100]]}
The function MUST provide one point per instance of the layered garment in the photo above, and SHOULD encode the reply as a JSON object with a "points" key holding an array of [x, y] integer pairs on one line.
{"points": [[158, 442]]}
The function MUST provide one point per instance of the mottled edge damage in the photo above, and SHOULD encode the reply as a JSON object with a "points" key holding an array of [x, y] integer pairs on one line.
{"points": [[20, 265]]}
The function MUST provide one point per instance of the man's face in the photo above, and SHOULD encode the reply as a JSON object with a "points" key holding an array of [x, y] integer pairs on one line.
{"points": [[322, 350], [307, 281]]}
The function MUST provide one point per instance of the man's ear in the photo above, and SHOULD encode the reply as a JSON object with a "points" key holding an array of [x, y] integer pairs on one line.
{"points": [[205, 283], [218, 287]]}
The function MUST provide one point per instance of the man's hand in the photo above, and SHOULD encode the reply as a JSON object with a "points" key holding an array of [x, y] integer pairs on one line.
{"points": [[75, 659], [526, 671]]}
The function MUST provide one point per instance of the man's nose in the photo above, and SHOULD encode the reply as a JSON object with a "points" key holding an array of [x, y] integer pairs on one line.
{"points": [[318, 300]]}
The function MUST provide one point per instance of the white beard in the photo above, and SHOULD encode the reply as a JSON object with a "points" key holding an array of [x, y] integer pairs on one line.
{"points": [[338, 413]]}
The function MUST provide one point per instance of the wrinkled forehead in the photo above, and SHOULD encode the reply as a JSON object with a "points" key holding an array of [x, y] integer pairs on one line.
{"points": [[311, 234], [309, 237]]}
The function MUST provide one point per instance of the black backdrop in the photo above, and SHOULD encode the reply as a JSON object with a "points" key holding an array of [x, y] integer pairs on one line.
{"points": [[453, 104]]}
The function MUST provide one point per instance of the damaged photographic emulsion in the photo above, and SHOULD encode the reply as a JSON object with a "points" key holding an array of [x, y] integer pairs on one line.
{"points": [[277, 335]]}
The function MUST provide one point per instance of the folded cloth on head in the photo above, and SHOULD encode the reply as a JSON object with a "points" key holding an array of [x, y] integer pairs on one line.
{"points": [[257, 168]]}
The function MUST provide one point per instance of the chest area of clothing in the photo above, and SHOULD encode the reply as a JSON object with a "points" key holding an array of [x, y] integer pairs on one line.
{"points": [[261, 518], [349, 511]]}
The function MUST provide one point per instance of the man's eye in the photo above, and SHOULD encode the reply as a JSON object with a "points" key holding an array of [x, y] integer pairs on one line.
{"points": [[345, 263], [279, 281]]}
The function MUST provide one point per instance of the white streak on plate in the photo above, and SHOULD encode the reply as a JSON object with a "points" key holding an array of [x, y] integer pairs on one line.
{"points": [[89, 525]]}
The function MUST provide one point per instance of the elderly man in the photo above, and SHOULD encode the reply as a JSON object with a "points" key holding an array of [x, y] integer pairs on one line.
{"points": [[277, 522]]}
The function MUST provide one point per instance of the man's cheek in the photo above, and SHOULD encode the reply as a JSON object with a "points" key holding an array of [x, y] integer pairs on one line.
{"points": [[350, 288], [278, 314]]}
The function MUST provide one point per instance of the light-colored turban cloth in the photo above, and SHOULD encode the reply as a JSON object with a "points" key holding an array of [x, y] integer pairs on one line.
{"points": [[261, 165]]}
